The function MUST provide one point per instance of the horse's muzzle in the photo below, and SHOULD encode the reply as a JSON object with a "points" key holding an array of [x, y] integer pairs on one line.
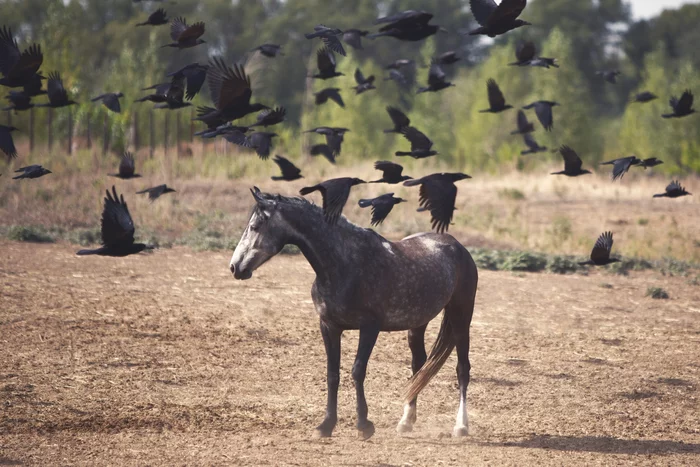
{"points": [[241, 274]]}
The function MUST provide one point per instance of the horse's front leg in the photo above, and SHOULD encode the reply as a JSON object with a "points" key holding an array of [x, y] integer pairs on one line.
{"points": [[331, 340], [368, 337]]}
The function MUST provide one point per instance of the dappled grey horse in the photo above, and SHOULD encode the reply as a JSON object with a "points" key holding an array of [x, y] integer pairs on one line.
{"points": [[366, 282]]}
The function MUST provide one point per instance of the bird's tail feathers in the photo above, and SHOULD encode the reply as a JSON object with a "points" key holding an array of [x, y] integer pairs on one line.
{"points": [[365, 203], [662, 195], [87, 252], [402, 153], [308, 189], [412, 182]]}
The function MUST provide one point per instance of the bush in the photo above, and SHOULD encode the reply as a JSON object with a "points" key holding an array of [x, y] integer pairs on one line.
{"points": [[21, 233], [511, 193], [524, 261], [562, 265], [657, 293]]}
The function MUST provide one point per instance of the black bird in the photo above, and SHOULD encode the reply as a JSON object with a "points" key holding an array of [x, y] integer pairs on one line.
{"points": [[438, 194], [572, 163], [525, 56], [110, 100], [329, 36], [269, 50], [421, 145], [222, 130], [156, 192], [329, 93], [334, 137], [260, 141], [353, 37], [600, 256], [524, 126], [290, 171], [400, 78], [335, 194], [269, 117], [160, 94], [117, 229], [58, 97], [157, 18], [644, 97], [543, 110], [174, 95], [681, 107], [323, 150], [609, 75], [532, 145], [401, 63], [127, 167], [391, 173], [363, 84], [33, 86], [673, 190], [31, 171], [6, 144], [399, 119], [325, 61], [497, 103], [650, 162], [185, 36], [230, 90], [195, 74], [436, 80], [381, 206], [408, 25], [621, 166], [447, 58], [497, 19], [17, 68], [19, 100], [210, 117]]}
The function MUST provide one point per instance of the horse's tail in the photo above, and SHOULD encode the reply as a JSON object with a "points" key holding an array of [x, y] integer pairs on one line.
{"points": [[442, 348]]}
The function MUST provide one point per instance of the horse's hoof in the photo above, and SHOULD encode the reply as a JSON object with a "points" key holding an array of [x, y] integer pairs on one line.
{"points": [[460, 431], [404, 428], [321, 433], [366, 431]]}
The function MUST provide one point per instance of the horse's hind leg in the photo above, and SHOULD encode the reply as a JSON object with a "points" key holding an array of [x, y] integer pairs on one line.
{"points": [[331, 340], [416, 342], [460, 313], [368, 337]]}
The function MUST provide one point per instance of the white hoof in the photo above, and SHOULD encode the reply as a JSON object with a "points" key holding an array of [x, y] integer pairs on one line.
{"points": [[460, 431], [404, 427]]}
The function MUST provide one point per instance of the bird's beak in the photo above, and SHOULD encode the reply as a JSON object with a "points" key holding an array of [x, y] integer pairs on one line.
{"points": [[48, 171], [401, 200]]}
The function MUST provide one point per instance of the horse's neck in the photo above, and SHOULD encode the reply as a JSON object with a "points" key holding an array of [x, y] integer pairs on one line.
{"points": [[327, 248]]}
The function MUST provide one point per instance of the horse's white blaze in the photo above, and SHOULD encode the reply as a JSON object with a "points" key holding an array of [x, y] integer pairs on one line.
{"points": [[408, 419], [244, 251], [462, 424]]}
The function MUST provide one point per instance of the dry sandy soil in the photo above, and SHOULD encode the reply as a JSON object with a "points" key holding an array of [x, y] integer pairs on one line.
{"points": [[164, 359]]}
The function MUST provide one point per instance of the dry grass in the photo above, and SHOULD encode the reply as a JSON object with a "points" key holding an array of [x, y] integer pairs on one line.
{"points": [[533, 211]]}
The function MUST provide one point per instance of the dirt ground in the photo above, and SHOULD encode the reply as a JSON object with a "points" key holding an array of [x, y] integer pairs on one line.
{"points": [[164, 359]]}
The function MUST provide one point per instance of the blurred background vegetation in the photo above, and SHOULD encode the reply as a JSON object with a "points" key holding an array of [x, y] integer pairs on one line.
{"points": [[97, 48]]}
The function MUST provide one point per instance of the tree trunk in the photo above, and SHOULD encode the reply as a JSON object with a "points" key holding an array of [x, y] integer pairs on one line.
{"points": [[31, 130], [165, 133], [105, 135], [152, 136], [89, 131], [70, 130], [50, 127]]}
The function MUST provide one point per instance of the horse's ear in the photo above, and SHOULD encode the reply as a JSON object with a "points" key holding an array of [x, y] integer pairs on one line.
{"points": [[255, 191]]}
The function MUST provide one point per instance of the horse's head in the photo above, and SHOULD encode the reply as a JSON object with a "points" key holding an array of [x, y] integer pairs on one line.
{"points": [[262, 239]]}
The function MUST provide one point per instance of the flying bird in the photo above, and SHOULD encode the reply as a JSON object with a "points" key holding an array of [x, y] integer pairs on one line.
{"points": [[117, 229], [31, 171], [363, 84], [409, 25], [231, 91], [174, 95], [400, 78], [185, 36], [127, 167], [290, 171], [195, 75], [681, 107], [543, 110], [650, 162], [497, 103], [436, 80], [399, 119], [600, 256], [447, 58], [110, 100], [160, 93], [7, 145], [58, 97], [572, 163], [497, 19], [156, 192], [269, 50], [532, 145], [391, 173], [333, 94], [524, 126], [157, 18], [644, 97], [421, 145], [621, 166], [335, 193], [381, 206], [334, 137], [525, 55], [353, 37], [609, 75], [260, 141], [323, 150], [438, 194], [401, 63], [19, 101], [673, 190], [269, 117], [325, 61], [329, 36], [18, 68]]}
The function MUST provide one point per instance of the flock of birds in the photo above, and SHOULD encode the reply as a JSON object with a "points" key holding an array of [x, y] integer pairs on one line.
{"points": [[231, 92]]}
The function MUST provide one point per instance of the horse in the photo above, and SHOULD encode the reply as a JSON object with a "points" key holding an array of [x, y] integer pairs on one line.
{"points": [[366, 282]]}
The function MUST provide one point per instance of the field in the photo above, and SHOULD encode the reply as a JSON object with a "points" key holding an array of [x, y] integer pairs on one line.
{"points": [[164, 359]]}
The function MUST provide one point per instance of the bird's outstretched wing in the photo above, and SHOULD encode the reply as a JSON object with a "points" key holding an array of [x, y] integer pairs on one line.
{"points": [[545, 115], [288, 169], [482, 10], [496, 99], [117, 225], [127, 165], [399, 118], [439, 197], [335, 195], [7, 145], [523, 123], [325, 60], [572, 163], [418, 140], [525, 51], [55, 89], [602, 248], [507, 10], [685, 103], [177, 27], [389, 169], [436, 75], [229, 87]]}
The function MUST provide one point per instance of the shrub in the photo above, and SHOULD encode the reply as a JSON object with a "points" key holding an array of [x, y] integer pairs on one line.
{"points": [[562, 265], [657, 293], [20, 233], [524, 261]]}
